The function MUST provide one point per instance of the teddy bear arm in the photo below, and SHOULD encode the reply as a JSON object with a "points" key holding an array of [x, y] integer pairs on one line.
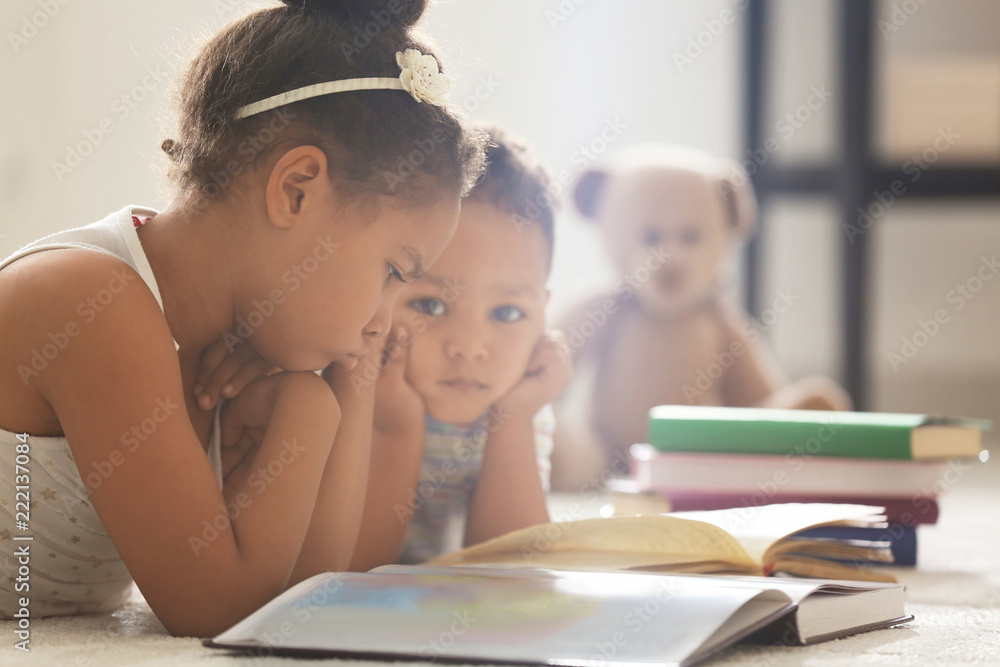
{"points": [[754, 376], [756, 380]]}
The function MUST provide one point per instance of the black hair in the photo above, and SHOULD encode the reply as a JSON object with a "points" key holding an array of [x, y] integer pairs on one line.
{"points": [[375, 141], [516, 182]]}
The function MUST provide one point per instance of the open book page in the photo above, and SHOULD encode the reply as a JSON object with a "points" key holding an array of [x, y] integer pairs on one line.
{"points": [[564, 619], [824, 607], [757, 528], [794, 588], [615, 543]]}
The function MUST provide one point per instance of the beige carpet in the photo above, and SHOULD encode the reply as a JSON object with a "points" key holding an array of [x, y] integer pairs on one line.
{"points": [[954, 594]]}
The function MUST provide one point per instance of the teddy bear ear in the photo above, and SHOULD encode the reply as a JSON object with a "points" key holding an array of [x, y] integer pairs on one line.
{"points": [[587, 192], [739, 198]]}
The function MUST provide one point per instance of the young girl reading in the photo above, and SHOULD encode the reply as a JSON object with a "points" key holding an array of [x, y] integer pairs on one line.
{"points": [[463, 430], [295, 227]]}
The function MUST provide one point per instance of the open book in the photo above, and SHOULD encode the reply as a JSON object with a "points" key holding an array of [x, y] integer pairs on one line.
{"points": [[746, 540], [547, 617]]}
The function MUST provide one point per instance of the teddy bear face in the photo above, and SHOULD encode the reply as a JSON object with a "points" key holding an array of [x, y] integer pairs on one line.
{"points": [[668, 234]]}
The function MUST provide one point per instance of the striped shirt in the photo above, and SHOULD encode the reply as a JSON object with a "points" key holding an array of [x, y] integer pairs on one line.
{"points": [[453, 456]]}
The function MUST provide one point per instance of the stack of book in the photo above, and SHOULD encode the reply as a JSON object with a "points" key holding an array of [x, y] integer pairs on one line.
{"points": [[707, 458]]}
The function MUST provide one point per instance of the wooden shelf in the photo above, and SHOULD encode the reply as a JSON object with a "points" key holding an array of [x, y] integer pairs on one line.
{"points": [[852, 180]]}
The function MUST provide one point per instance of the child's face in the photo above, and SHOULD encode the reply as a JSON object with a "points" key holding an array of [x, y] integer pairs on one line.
{"points": [[338, 282], [477, 315]]}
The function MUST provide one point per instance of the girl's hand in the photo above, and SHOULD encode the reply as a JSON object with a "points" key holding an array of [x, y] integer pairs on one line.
{"points": [[244, 419], [549, 371], [398, 406], [225, 370]]}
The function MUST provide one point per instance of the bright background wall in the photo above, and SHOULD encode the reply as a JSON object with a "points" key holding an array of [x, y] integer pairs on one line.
{"points": [[559, 71]]}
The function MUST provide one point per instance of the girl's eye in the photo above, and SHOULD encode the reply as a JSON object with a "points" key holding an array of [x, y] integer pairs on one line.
{"points": [[429, 307], [508, 314], [393, 272]]}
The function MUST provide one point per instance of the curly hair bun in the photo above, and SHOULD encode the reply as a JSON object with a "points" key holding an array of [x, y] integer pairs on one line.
{"points": [[404, 13]]}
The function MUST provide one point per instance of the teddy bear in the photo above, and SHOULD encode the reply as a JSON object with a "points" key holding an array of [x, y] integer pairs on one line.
{"points": [[665, 332]]}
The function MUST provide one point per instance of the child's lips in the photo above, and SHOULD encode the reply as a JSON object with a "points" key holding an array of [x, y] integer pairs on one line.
{"points": [[463, 384]]}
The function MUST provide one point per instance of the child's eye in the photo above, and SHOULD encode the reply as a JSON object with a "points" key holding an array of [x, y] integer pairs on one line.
{"points": [[429, 306], [508, 314]]}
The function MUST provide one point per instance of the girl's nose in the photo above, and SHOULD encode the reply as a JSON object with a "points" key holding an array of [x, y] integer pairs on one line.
{"points": [[379, 324]]}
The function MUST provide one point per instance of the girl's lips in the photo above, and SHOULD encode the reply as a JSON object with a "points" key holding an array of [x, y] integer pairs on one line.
{"points": [[351, 360]]}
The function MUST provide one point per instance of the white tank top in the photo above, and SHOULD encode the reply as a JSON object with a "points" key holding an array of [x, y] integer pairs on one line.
{"points": [[74, 567]]}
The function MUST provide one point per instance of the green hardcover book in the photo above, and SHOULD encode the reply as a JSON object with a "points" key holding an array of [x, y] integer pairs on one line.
{"points": [[873, 435]]}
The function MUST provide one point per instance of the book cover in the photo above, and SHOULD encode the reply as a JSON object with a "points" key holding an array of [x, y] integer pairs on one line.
{"points": [[902, 539], [869, 435]]}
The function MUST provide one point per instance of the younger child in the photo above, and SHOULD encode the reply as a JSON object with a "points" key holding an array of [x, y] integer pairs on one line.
{"points": [[463, 430]]}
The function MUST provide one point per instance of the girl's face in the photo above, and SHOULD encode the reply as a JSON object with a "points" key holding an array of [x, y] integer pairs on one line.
{"points": [[478, 315], [326, 294]]}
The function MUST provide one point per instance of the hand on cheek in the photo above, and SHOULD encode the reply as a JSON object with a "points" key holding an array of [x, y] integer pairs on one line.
{"points": [[398, 406], [549, 371]]}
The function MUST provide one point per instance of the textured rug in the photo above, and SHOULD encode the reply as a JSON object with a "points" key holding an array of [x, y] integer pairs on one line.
{"points": [[954, 594]]}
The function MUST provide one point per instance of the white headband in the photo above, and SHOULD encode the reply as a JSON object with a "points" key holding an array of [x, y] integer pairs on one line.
{"points": [[420, 77]]}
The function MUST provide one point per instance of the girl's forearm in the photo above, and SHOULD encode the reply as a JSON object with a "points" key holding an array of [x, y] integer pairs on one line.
{"points": [[391, 499], [336, 519], [509, 493], [265, 517]]}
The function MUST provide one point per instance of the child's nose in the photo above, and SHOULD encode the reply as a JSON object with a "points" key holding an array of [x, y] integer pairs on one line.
{"points": [[467, 342]]}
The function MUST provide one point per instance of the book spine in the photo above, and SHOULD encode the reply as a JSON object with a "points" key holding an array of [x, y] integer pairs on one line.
{"points": [[781, 438]]}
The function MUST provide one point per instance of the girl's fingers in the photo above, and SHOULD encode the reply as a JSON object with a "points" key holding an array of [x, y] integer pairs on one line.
{"points": [[246, 374], [211, 357], [223, 374]]}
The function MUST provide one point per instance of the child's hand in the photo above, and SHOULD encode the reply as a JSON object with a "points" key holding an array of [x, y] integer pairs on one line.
{"points": [[398, 407], [549, 371], [245, 419], [226, 374]]}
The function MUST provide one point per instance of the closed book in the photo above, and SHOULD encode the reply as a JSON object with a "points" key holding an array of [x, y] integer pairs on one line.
{"points": [[757, 478], [869, 435], [906, 511]]}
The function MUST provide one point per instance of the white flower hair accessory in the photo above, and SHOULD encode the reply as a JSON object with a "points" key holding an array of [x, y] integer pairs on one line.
{"points": [[419, 76]]}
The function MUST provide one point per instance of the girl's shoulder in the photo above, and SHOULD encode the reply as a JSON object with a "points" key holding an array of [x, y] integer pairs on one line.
{"points": [[62, 310]]}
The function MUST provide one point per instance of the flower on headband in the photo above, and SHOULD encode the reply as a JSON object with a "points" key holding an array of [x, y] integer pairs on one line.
{"points": [[421, 77]]}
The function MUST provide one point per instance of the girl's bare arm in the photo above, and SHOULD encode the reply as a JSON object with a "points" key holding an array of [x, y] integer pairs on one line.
{"points": [[120, 373]]}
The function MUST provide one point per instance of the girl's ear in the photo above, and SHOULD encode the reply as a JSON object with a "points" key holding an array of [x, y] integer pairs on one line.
{"points": [[587, 192], [738, 197], [298, 182]]}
